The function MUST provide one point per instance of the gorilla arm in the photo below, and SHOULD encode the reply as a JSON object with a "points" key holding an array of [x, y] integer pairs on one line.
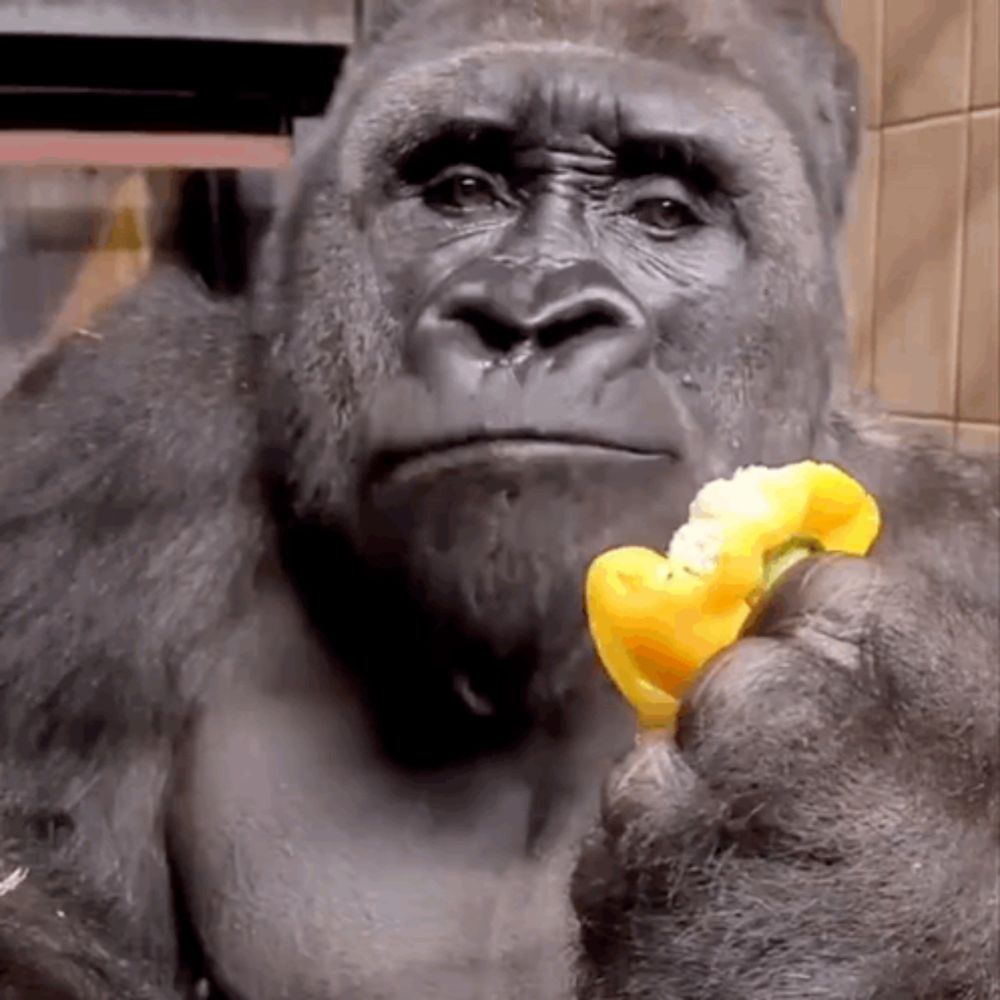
{"points": [[825, 825], [119, 503]]}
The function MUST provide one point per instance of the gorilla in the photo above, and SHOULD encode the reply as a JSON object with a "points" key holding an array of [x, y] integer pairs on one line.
{"points": [[298, 699]]}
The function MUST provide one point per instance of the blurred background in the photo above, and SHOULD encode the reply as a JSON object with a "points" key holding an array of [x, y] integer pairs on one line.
{"points": [[136, 128]]}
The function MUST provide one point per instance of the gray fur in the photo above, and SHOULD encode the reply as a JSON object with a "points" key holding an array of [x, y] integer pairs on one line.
{"points": [[279, 713]]}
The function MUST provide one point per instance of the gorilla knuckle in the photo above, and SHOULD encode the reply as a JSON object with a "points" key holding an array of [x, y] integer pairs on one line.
{"points": [[651, 784], [830, 594], [765, 693], [598, 891], [812, 656]]}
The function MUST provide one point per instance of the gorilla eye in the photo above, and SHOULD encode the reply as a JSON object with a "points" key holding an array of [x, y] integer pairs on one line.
{"points": [[462, 190], [664, 215]]}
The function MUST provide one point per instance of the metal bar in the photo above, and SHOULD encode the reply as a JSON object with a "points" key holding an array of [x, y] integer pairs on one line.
{"points": [[144, 150], [328, 21], [156, 85]]}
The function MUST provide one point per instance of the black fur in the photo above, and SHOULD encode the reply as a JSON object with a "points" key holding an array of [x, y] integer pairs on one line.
{"points": [[295, 698]]}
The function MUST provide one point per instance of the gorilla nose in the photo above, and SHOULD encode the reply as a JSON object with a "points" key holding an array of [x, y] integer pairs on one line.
{"points": [[506, 308], [504, 312]]}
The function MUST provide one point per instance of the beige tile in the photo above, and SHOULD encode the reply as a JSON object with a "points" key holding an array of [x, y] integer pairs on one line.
{"points": [[861, 27], [979, 357], [858, 252], [986, 54], [978, 438], [925, 67], [938, 432], [921, 194]]}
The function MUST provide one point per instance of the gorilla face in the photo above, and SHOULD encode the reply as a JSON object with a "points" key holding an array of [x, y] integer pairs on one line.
{"points": [[558, 290]]}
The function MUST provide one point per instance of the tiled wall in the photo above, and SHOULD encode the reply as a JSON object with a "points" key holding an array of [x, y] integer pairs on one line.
{"points": [[923, 248]]}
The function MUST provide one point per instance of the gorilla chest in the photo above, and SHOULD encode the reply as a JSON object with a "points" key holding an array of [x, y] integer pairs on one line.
{"points": [[309, 874]]}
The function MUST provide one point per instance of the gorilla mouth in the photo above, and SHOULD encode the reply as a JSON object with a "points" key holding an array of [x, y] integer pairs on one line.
{"points": [[521, 447]]}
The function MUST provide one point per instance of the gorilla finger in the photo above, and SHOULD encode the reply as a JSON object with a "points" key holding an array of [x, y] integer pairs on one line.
{"points": [[654, 792], [599, 888], [801, 662], [748, 685], [765, 703], [642, 782], [830, 594]]}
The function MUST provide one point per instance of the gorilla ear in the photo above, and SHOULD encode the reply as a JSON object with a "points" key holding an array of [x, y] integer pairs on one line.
{"points": [[812, 29], [847, 118], [841, 104]]}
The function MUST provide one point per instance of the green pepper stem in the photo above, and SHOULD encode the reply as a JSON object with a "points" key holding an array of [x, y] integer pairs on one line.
{"points": [[780, 561]]}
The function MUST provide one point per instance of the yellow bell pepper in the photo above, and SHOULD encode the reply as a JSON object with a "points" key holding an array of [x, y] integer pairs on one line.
{"points": [[656, 619]]}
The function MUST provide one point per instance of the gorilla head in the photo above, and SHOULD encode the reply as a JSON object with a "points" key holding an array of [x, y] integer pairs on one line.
{"points": [[563, 262]]}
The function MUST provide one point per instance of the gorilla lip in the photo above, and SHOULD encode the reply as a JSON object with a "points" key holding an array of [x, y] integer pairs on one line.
{"points": [[518, 447]]}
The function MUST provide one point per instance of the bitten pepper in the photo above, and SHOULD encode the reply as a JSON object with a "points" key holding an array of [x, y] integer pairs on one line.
{"points": [[656, 619]]}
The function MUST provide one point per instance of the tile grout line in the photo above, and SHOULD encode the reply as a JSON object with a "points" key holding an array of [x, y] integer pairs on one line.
{"points": [[937, 117], [872, 235], [963, 224], [875, 226], [878, 83], [930, 418]]}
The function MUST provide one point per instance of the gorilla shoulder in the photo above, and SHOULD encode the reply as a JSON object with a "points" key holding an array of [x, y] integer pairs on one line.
{"points": [[162, 370]]}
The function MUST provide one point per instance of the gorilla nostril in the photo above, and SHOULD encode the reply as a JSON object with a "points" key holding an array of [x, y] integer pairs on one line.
{"points": [[495, 333], [503, 333], [565, 328], [507, 310]]}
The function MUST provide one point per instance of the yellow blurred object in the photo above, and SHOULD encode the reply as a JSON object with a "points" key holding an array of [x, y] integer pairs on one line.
{"points": [[656, 619], [121, 258]]}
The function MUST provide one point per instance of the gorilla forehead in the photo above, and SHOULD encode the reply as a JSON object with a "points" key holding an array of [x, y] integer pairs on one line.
{"points": [[746, 59], [723, 32], [552, 93]]}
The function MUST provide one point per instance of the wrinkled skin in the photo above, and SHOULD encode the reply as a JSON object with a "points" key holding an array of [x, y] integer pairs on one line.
{"points": [[297, 695]]}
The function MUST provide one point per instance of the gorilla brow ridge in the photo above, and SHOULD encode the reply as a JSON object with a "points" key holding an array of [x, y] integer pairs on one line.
{"points": [[401, 115], [485, 143], [695, 161], [423, 146]]}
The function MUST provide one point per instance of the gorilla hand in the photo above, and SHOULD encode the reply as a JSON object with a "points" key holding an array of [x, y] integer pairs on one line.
{"points": [[825, 825]]}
